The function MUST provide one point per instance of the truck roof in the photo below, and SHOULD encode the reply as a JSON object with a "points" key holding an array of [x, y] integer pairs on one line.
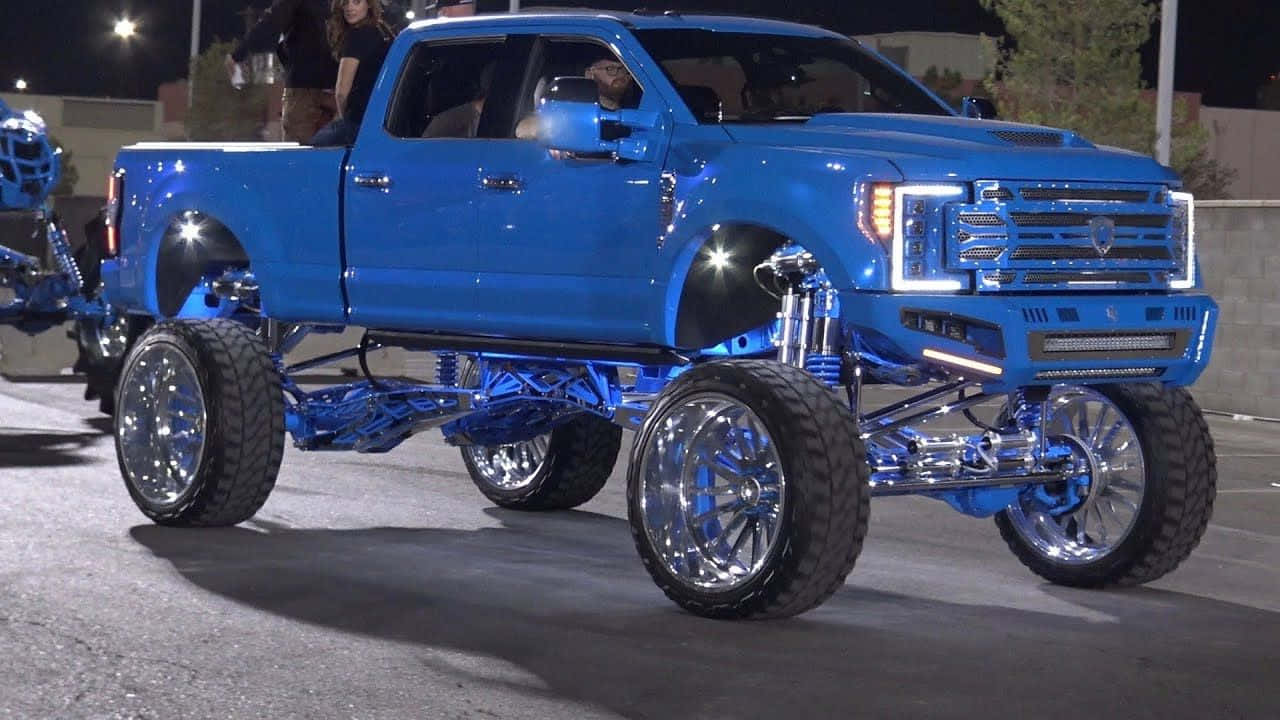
{"points": [[637, 21]]}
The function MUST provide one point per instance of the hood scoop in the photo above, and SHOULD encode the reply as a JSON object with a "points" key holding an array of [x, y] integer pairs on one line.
{"points": [[1031, 138]]}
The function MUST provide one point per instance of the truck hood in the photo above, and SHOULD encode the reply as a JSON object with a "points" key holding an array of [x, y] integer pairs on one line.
{"points": [[935, 148]]}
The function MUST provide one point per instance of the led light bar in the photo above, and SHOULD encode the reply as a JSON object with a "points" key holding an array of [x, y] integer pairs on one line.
{"points": [[1094, 373], [962, 362], [1107, 343], [1189, 281]]}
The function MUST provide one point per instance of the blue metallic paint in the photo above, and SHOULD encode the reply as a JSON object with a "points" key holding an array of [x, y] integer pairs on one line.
{"points": [[517, 263]]}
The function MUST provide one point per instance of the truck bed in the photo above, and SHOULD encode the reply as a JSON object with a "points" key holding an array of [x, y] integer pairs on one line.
{"points": [[280, 200]]}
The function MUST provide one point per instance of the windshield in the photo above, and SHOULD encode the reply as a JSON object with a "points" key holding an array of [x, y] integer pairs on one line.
{"points": [[727, 77]]}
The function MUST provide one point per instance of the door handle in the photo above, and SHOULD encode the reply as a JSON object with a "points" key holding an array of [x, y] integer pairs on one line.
{"points": [[377, 181], [509, 183]]}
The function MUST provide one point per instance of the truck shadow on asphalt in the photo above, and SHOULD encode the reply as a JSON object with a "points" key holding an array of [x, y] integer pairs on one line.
{"points": [[562, 599], [27, 447]]}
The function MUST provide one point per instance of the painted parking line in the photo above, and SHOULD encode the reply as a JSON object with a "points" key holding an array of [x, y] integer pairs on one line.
{"points": [[1270, 491]]}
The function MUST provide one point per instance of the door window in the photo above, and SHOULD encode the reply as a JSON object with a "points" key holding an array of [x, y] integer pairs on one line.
{"points": [[457, 89], [559, 56]]}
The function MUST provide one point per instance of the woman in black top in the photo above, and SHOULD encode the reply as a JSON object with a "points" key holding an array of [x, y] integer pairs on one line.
{"points": [[360, 40]]}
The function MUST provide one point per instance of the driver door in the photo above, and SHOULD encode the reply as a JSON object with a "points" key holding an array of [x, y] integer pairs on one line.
{"points": [[568, 244]]}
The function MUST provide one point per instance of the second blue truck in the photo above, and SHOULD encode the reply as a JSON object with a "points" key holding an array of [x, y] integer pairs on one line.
{"points": [[717, 232]]}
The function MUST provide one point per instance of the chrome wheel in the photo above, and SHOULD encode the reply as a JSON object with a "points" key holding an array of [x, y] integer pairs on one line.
{"points": [[160, 424], [509, 467], [1089, 515], [108, 341], [713, 492]]}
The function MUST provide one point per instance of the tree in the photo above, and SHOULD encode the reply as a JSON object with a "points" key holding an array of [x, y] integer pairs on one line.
{"points": [[1076, 65], [945, 84], [218, 110], [70, 175]]}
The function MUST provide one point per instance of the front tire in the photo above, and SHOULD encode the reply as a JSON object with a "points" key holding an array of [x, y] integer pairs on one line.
{"points": [[1152, 485], [199, 423], [747, 492]]}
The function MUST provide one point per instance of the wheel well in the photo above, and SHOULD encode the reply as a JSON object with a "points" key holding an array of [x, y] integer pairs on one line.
{"points": [[720, 297], [193, 245]]}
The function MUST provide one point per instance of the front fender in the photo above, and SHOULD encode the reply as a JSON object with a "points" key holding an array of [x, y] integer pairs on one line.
{"points": [[802, 196]]}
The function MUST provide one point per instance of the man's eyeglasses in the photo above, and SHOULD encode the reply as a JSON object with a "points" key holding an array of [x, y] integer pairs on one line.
{"points": [[611, 69]]}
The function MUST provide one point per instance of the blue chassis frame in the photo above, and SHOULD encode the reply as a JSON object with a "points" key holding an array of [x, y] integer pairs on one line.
{"points": [[519, 397]]}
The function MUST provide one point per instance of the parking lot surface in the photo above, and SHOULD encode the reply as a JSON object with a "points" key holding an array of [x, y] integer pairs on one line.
{"points": [[386, 586]]}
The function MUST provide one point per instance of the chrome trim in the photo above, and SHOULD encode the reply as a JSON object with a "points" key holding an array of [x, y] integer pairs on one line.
{"points": [[376, 181], [1110, 457], [712, 492], [161, 422]]}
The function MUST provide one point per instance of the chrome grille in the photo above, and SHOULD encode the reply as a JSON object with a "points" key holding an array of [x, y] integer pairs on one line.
{"points": [[1087, 252], [1022, 235], [985, 252], [1082, 220], [1053, 277], [981, 219], [1068, 194]]}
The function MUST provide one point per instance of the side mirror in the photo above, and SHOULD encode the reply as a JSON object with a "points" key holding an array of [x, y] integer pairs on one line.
{"points": [[570, 119], [979, 107]]}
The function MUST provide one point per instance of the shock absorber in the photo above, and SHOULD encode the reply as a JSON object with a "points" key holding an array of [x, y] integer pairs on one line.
{"points": [[809, 330], [62, 253], [447, 368], [824, 361]]}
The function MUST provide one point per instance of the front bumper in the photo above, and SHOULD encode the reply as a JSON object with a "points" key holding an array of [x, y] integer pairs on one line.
{"points": [[1011, 341]]}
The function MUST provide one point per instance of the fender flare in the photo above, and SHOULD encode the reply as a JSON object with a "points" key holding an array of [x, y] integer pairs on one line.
{"points": [[181, 262]]}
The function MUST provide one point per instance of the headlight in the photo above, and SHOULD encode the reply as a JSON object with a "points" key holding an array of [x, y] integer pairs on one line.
{"points": [[1184, 241], [909, 222]]}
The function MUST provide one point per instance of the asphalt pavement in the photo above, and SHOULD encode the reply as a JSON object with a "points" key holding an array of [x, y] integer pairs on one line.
{"points": [[386, 586]]}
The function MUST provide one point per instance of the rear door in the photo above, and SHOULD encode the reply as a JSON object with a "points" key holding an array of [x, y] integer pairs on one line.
{"points": [[412, 187]]}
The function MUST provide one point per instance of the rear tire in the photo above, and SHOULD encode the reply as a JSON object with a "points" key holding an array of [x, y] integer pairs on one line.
{"points": [[200, 423], [748, 492], [555, 472], [1179, 483], [102, 349]]}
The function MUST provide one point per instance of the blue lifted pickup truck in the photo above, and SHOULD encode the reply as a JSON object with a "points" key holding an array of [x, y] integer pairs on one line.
{"points": [[714, 231]]}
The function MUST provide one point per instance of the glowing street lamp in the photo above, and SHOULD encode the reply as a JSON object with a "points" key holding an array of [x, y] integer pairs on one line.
{"points": [[20, 85], [125, 28]]}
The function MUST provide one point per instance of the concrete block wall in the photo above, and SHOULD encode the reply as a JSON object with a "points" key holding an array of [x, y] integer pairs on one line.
{"points": [[1239, 248]]}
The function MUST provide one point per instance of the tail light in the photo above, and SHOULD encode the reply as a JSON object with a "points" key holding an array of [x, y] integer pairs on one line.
{"points": [[115, 193]]}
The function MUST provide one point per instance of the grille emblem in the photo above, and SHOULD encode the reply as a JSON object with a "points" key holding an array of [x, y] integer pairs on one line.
{"points": [[1102, 232], [1112, 315]]}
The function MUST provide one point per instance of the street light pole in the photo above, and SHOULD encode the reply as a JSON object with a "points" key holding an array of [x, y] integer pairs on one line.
{"points": [[195, 51], [1164, 86]]}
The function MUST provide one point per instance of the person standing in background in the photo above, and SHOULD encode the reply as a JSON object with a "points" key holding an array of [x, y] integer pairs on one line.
{"points": [[455, 8], [310, 68], [360, 39]]}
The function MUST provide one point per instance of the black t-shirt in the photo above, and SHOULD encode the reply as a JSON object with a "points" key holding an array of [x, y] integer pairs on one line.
{"points": [[367, 44]]}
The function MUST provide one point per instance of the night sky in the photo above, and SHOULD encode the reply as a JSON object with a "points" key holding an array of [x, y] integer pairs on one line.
{"points": [[1226, 48]]}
